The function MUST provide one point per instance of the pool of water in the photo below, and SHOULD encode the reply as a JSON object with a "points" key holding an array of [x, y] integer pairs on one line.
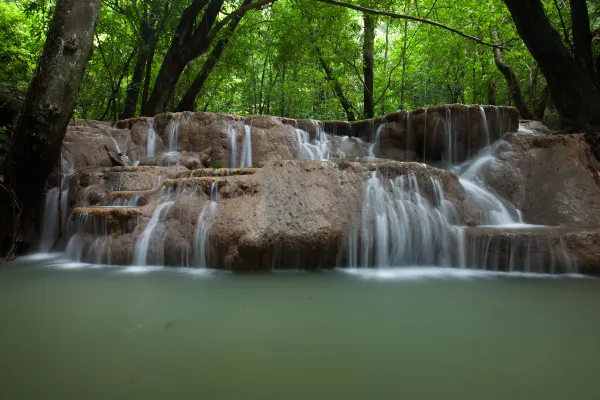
{"points": [[71, 331]]}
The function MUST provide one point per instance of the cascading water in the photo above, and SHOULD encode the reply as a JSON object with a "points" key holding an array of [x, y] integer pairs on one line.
{"points": [[148, 235], [232, 144], [203, 226], [246, 159], [151, 139], [320, 149], [174, 127], [400, 227], [55, 208]]}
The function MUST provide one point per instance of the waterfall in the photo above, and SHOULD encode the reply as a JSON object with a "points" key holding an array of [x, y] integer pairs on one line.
{"points": [[151, 139], [52, 213], [374, 148], [400, 227], [117, 147], [143, 243], [232, 144], [320, 149], [174, 135], [246, 160], [203, 226], [484, 124]]}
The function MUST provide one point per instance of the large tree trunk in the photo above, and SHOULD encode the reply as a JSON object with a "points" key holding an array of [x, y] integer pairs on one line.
{"points": [[582, 35], [514, 86], [572, 87], [133, 89], [35, 144], [337, 88], [368, 67], [188, 43], [188, 101]]}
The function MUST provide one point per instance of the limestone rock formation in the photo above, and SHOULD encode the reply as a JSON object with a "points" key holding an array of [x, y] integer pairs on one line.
{"points": [[308, 194]]}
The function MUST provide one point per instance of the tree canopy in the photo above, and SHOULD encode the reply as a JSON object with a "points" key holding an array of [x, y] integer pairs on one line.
{"points": [[296, 58]]}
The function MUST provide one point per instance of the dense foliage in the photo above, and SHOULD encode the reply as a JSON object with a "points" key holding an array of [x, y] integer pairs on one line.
{"points": [[274, 61]]}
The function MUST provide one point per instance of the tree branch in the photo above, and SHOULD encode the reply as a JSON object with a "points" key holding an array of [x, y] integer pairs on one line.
{"points": [[240, 11], [411, 18]]}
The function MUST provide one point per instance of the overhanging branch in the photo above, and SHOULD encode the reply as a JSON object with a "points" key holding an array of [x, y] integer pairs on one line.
{"points": [[411, 18]]}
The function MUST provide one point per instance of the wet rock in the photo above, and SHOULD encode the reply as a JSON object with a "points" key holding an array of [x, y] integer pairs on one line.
{"points": [[552, 179]]}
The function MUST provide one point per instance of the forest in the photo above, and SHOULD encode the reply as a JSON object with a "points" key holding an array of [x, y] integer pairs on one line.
{"points": [[349, 60], [294, 58]]}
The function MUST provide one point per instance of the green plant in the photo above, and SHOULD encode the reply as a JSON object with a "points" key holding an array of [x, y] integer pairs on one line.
{"points": [[217, 166]]}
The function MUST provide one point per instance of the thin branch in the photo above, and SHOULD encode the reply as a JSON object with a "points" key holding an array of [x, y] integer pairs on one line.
{"points": [[411, 18], [564, 26], [240, 11]]}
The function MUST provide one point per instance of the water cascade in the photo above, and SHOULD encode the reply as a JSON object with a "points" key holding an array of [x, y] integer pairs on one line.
{"points": [[203, 226], [246, 159], [174, 135], [55, 207], [151, 139], [150, 236], [319, 149], [232, 144], [400, 226]]}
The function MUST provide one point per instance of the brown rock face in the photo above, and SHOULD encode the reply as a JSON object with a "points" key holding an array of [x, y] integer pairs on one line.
{"points": [[288, 213], [552, 179]]}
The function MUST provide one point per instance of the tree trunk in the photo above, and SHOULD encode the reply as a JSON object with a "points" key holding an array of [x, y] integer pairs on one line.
{"points": [[572, 88], [337, 88], [36, 142], [368, 68], [188, 101], [133, 89], [540, 110], [403, 81], [511, 80], [491, 92], [189, 42], [582, 35]]}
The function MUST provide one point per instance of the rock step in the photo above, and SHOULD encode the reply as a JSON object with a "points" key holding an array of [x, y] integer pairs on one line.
{"points": [[125, 196], [540, 249], [99, 221], [212, 172]]}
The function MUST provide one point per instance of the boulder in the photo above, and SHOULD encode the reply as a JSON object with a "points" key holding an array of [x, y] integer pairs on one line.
{"points": [[552, 179]]}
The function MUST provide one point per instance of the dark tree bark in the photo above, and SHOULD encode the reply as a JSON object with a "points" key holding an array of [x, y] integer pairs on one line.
{"points": [[188, 101], [188, 43], [582, 35], [540, 110], [337, 88], [150, 31], [514, 86], [572, 88], [491, 92], [368, 68], [35, 145], [133, 89], [193, 37]]}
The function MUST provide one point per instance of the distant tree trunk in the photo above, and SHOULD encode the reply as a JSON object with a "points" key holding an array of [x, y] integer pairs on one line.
{"points": [[35, 145], [403, 83], [582, 35], [572, 88], [511, 80], [337, 88], [491, 92], [188, 101], [540, 110], [133, 89], [368, 67], [188, 43]]}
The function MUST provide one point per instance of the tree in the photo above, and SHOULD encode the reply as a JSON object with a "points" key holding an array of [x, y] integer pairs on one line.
{"points": [[571, 85], [35, 144]]}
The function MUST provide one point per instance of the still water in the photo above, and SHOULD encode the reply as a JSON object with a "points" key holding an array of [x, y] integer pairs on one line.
{"points": [[71, 332]]}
